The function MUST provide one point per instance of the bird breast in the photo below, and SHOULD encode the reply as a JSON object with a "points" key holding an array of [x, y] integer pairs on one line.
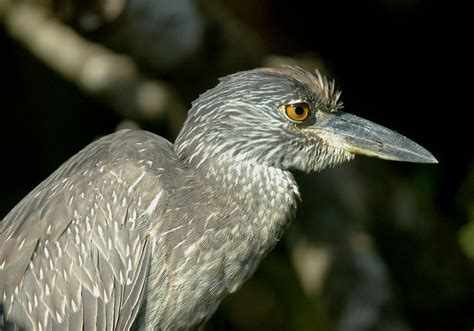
{"points": [[225, 230]]}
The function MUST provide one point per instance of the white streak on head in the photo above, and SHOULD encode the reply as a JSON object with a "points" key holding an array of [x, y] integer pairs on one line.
{"points": [[190, 249]]}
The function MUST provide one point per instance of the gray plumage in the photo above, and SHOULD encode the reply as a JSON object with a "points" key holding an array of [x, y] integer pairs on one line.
{"points": [[136, 231]]}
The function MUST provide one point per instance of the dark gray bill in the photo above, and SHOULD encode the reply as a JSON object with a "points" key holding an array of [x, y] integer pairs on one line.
{"points": [[360, 136]]}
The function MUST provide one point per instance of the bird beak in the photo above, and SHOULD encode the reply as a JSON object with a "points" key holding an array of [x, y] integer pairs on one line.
{"points": [[359, 136]]}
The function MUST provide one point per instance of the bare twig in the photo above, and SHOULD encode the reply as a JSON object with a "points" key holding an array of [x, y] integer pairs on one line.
{"points": [[95, 69]]}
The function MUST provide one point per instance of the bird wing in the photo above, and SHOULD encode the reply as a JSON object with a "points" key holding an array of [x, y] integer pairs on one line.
{"points": [[75, 252]]}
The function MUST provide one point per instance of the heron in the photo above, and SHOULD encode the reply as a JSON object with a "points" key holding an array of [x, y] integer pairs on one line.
{"points": [[136, 232]]}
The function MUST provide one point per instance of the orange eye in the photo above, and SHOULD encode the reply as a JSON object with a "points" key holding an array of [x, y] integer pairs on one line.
{"points": [[297, 111]]}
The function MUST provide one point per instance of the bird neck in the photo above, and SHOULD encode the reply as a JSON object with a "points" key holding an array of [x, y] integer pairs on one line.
{"points": [[262, 190]]}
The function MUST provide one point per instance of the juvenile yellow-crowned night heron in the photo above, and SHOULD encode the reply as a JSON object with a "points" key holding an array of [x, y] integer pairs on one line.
{"points": [[136, 231]]}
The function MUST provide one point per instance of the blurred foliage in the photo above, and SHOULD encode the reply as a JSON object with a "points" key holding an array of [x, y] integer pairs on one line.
{"points": [[376, 245], [466, 239], [466, 205]]}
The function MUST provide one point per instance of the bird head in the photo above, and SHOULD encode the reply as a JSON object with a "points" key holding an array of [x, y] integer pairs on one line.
{"points": [[286, 118]]}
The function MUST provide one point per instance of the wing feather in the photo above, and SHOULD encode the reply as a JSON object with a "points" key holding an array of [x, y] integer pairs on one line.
{"points": [[75, 252], [134, 295]]}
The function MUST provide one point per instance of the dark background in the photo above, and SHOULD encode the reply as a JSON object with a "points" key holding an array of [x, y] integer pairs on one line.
{"points": [[401, 64]]}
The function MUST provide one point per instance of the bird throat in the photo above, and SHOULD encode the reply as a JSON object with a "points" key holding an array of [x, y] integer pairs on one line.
{"points": [[263, 198]]}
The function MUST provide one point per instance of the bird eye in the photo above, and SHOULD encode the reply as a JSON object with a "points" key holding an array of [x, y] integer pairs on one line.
{"points": [[297, 111]]}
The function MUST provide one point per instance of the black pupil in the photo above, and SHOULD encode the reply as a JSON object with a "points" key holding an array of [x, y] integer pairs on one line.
{"points": [[299, 110]]}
